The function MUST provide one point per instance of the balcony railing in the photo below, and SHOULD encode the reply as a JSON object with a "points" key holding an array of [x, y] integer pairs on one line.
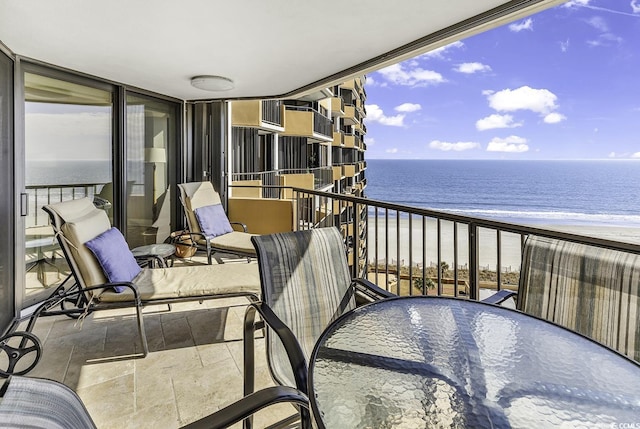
{"points": [[323, 176], [41, 195], [320, 124], [418, 251], [271, 112]]}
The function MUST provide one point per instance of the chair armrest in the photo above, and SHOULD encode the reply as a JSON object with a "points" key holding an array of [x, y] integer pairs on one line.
{"points": [[369, 291], [294, 351], [244, 227], [500, 296], [249, 405]]}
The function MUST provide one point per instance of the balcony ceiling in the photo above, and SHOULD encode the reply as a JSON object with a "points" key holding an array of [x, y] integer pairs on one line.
{"points": [[268, 48]]}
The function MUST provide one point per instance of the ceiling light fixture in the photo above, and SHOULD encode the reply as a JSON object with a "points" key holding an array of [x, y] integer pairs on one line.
{"points": [[212, 83]]}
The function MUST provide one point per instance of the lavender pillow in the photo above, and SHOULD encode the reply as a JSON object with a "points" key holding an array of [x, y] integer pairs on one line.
{"points": [[115, 258], [213, 220]]}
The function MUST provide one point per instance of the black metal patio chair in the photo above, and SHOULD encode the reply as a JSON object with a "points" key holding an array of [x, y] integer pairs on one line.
{"points": [[306, 284]]}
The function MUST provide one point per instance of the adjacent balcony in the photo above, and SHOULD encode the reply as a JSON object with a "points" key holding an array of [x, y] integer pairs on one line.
{"points": [[265, 115], [351, 115], [337, 107], [338, 138], [305, 122]]}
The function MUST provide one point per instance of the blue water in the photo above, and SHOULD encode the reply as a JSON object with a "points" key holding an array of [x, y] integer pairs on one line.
{"points": [[529, 192]]}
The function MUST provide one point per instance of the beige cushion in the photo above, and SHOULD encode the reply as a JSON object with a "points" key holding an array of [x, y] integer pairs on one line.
{"points": [[232, 241], [80, 230], [191, 281], [194, 196]]}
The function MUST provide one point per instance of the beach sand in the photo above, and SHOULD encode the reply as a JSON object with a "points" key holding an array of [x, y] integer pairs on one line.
{"points": [[408, 243]]}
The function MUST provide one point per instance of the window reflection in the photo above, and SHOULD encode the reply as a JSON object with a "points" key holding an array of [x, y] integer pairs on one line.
{"points": [[150, 135]]}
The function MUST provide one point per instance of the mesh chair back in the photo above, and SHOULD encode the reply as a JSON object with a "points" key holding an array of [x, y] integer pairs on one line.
{"points": [[305, 280], [591, 290], [40, 403]]}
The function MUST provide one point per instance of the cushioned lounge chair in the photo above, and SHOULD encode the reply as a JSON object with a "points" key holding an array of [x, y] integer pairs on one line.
{"points": [[208, 223], [79, 225], [37, 403], [306, 284]]}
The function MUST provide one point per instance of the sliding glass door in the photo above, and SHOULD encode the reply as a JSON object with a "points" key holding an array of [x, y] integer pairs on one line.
{"points": [[7, 297], [68, 155], [151, 142]]}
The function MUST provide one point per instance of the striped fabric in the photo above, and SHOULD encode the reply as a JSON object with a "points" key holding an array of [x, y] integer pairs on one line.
{"points": [[306, 282], [30, 403], [591, 290]]}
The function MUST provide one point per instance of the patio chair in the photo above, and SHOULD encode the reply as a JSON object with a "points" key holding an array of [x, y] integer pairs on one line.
{"points": [[591, 290], [109, 277], [209, 225], [306, 285], [46, 404]]}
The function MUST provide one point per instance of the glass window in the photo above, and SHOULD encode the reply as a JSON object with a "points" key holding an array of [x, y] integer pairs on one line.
{"points": [[151, 135], [68, 155]]}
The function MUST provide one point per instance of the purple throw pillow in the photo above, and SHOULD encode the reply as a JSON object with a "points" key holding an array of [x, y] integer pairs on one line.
{"points": [[213, 220], [115, 258]]}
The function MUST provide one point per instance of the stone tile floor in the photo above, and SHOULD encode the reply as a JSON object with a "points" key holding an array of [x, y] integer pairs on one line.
{"points": [[193, 369]]}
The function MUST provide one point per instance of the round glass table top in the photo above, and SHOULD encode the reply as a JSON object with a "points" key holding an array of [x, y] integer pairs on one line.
{"points": [[443, 362]]}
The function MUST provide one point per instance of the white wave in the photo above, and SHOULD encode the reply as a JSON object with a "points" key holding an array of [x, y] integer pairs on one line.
{"points": [[552, 216]]}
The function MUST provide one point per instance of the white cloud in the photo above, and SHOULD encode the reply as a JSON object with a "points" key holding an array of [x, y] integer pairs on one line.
{"points": [[496, 121], [398, 74], [392, 150], [370, 81], [554, 118], [517, 27], [470, 68], [612, 155], [456, 147], [375, 114], [540, 101], [513, 144], [635, 6], [369, 140], [408, 107], [606, 39], [575, 3], [598, 23], [440, 52], [564, 46]]}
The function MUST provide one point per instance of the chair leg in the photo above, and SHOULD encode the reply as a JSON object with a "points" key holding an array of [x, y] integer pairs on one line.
{"points": [[249, 357], [141, 331]]}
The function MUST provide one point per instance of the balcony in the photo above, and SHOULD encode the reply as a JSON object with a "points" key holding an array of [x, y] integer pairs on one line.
{"points": [[349, 140], [337, 107], [193, 367], [351, 115], [338, 138], [306, 122], [265, 115]]}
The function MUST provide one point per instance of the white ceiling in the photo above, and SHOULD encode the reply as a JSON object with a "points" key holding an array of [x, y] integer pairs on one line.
{"points": [[268, 48]]}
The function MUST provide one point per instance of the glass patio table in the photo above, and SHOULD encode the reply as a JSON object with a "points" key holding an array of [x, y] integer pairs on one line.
{"points": [[416, 362]]}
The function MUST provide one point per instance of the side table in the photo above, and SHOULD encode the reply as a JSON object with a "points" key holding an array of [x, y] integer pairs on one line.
{"points": [[155, 255]]}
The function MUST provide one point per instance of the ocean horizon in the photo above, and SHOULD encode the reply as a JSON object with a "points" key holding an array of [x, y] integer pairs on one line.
{"points": [[580, 192]]}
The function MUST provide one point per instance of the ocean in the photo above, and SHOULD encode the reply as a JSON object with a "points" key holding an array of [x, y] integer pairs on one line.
{"points": [[597, 193]]}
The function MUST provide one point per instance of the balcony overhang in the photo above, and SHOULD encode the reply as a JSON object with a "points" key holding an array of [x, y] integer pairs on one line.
{"points": [[159, 46]]}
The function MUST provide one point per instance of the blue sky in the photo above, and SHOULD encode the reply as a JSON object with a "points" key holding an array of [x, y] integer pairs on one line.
{"points": [[562, 84]]}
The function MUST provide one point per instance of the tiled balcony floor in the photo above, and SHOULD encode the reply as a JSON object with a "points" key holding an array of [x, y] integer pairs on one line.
{"points": [[193, 369]]}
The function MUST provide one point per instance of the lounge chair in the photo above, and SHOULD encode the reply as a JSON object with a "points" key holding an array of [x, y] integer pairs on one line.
{"points": [[80, 226], [591, 290], [208, 223], [38, 403], [306, 284]]}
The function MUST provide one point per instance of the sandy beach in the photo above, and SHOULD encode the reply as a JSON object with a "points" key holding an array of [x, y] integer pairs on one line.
{"points": [[409, 242]]}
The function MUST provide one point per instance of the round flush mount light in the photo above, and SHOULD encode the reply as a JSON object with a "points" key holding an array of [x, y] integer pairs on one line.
{"points": [[212, 83]]}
